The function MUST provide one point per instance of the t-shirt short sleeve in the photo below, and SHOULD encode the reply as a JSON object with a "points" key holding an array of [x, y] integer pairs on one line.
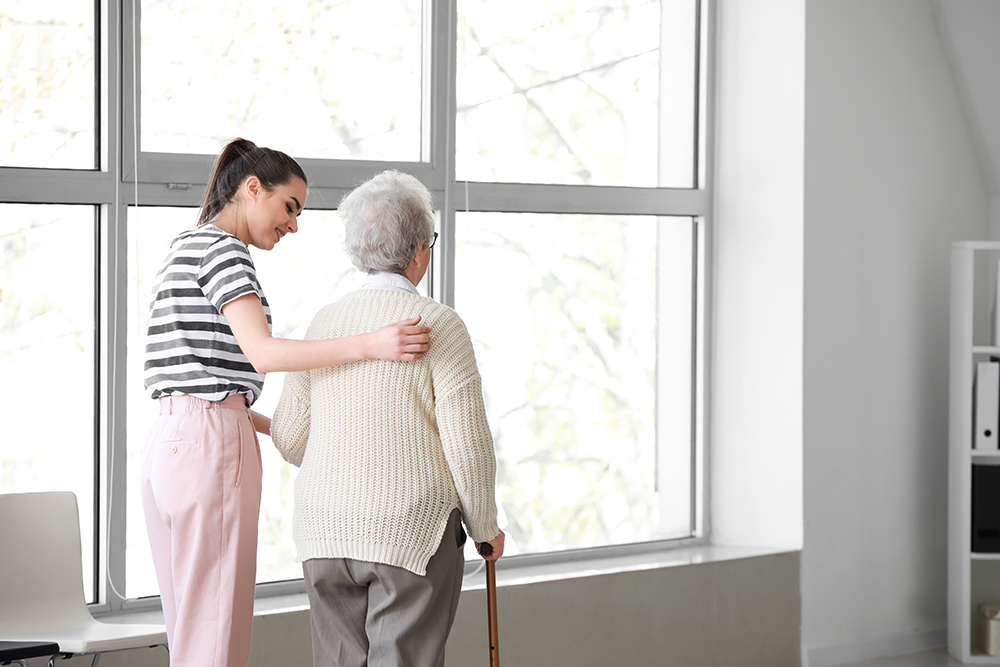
{"points": [[227, 272]]}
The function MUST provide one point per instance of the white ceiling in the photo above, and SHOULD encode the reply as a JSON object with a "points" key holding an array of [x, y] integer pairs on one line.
{"points": [[970, 31]]}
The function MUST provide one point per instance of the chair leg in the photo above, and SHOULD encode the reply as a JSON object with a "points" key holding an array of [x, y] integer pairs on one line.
{"points": [[97, 658]]}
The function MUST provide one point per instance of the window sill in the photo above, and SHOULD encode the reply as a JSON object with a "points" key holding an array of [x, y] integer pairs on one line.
{"points": [[521, 572]]}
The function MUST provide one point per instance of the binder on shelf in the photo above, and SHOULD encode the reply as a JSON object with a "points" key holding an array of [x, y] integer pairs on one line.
{"points": [[996, 308], [986, 405], [985, 509]]}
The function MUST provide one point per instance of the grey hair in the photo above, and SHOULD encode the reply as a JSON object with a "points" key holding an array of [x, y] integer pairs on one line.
{"points": [[385, 219]]}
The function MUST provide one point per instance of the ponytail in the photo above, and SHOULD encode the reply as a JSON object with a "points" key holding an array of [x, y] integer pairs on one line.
{"points": [[240, 159]]}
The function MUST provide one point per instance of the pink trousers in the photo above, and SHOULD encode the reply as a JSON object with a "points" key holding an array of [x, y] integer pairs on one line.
{"points": [[201, 482]]}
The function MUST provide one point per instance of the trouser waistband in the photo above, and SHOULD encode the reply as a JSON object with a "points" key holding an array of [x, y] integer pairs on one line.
{"points": [[173, 404]]}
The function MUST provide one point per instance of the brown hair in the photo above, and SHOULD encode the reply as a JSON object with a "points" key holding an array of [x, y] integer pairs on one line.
{"points": [[240, 159]]}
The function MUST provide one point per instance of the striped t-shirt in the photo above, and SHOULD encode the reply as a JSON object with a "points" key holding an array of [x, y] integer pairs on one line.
{"points": [[190, 349]]}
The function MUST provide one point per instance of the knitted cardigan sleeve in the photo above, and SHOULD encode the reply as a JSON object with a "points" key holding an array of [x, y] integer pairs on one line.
{"points": [[465, 433], [291, 421]]}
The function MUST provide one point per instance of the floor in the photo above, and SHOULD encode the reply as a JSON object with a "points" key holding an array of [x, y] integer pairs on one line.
{"points": [[938, 658]]}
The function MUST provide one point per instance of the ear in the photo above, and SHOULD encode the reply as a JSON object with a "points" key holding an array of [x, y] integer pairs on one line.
{"points": [[252, 187], [418, 254]]}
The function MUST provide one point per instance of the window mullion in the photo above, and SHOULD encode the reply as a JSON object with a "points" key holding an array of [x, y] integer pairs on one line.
{"points": [[55, 186], [112, 291], [443, 277], [608, 200], [115, 366]]}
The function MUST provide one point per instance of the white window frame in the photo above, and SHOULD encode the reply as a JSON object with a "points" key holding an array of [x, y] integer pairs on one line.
{"points": [[179, 180]]}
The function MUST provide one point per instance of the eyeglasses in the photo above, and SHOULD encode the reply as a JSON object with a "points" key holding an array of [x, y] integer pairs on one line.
{"points": [[433, 240]]}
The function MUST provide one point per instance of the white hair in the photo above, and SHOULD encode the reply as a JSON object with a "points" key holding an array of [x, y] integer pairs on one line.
{"points": [[385, 219]]}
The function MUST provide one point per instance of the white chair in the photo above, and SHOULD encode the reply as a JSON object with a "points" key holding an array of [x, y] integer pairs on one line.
{"points": [[41, 581]]}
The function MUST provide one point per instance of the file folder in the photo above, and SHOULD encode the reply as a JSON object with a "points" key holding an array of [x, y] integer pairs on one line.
{"points": [[995, 319], [985, 509], [986, 405]]}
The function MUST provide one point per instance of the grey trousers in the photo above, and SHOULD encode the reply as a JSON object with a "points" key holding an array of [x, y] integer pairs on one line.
{"points": [[375, 615]]}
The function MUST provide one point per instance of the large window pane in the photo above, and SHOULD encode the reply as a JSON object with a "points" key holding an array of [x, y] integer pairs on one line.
{"points": [[570, 372], [319, 79], [47, 358], [304, 272], [47, 86], [597, 92]]}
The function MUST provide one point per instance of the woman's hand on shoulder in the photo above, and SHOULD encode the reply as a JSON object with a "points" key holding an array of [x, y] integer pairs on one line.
{"points": [[402, 341]]}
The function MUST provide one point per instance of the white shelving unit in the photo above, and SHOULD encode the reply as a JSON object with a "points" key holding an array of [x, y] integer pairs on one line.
{"points": [[972, 577]]}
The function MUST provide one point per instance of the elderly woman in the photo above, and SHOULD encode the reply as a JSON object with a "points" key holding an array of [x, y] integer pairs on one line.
{"points": [[393, 456]]}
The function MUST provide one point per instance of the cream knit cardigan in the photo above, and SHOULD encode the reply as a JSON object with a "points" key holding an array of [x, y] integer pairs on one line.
{"points": [[387, 449]]}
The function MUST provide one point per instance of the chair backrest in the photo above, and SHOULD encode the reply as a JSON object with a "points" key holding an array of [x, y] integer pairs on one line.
{"points": [[41, 574]]}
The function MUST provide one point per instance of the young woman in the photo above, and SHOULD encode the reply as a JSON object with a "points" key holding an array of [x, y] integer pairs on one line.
{"points": [[208, 347]]}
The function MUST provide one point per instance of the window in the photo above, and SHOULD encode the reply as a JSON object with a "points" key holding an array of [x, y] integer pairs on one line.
{"points": [[48, 355], [291, 74], [564, 91], [563, 141], [571, 373], [47, 70]]}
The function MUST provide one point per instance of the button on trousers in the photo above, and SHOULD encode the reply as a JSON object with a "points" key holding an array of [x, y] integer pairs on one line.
{"points": [[201, 485]]}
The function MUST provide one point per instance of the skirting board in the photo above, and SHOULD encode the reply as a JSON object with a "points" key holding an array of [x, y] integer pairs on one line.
{"points": [[828, 656]]}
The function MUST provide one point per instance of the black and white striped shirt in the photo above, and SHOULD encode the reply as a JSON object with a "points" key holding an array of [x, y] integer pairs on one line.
{"points": [[190, 349]]}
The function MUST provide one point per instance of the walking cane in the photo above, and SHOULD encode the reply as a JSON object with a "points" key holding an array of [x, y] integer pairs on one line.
{"points": [[485, 548]]}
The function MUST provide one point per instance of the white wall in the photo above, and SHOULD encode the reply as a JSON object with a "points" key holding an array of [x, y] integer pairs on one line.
{"points": [[755, 427], [994, 217], [891, 179]]}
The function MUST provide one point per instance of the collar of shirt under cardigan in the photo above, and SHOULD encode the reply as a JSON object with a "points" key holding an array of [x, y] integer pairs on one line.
{"points": [[387, 280]]}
